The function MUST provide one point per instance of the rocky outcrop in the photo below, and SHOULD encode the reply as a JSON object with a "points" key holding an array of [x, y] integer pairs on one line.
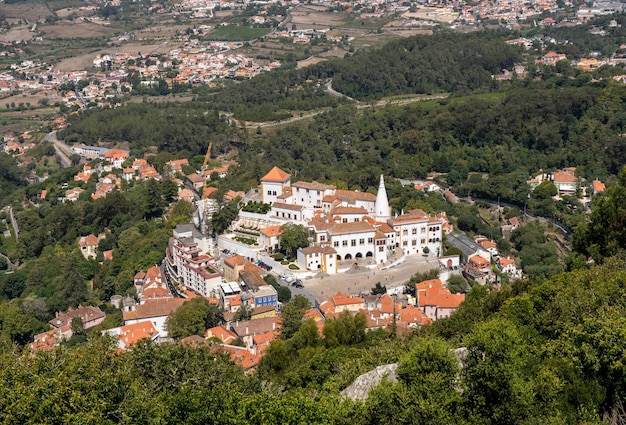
{"points": [[360, 388]]}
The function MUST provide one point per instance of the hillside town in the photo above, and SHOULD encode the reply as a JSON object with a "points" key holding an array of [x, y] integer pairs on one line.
{"points": [[352, 234]]}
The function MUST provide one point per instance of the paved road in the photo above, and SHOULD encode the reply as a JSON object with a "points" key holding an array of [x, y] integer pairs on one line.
{"points": [[16, 229], [311, 296], [331, 91], [63, 151], [10, 264], [380, 104]]}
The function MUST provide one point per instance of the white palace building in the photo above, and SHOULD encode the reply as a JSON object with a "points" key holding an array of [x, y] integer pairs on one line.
{"points": [[348, 225]]}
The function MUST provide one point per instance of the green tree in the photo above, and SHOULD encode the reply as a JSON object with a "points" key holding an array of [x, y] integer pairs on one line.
{"points": [[347, 329], [293, 237], [194, 317], [457, 283], [243, 313], [291, 315]]}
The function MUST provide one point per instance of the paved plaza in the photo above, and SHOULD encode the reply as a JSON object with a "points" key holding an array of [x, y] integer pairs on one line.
{"points": [[361, 280]]}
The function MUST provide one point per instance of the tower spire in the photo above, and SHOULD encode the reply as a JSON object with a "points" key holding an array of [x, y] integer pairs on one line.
{"points": [[383, 210]]}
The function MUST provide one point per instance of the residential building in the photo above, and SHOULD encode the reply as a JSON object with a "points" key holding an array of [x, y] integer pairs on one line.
{"points": [[152, 286], [507, 265], [339, 303], [88, 246], [436, 301], [130, 335], [156, 311], [479, 269], [597, 187], [90, 316], [221, 333], [413, 317], [175, 166], [232, 266], [270, 238], [247, 329], [188, 264], [565, 182], [322, 258]]}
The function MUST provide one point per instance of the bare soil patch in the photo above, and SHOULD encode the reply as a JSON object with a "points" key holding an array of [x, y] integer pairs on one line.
{"points": [[20, 33], [64, 13], [316, 18], [32, 10], [160, 31], [32, 98], [334, 53], [409, 32], [75, 30], [309, 61]]}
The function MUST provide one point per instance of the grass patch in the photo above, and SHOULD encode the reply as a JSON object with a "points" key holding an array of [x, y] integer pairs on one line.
{"points": [[247, 241], [293, 267], [237, 33]]}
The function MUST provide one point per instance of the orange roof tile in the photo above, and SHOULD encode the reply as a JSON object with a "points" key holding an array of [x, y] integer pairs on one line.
{"points": [[131, 334], [276, 175], [272, 231], [235, 260]]}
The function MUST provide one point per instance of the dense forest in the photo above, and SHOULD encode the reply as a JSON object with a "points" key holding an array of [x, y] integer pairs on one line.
{"points": [[487, 145]]}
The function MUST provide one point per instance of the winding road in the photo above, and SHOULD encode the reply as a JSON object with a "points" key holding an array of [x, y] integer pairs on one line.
{"points": [[328, 89]]}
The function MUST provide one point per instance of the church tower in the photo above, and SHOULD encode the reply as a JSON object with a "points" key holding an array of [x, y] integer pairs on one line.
{"points": [[383, 210]]}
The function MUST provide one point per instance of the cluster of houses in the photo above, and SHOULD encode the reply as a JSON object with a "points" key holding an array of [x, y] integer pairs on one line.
{"points": [[568, 183], [246, 341]]}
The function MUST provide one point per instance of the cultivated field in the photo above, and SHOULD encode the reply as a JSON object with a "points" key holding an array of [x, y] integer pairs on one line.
{"points": [[237, 33], [18, 33], [160, 31], [75, 30], [33, 11], [84, 60], [309, 61], [314, 17]]}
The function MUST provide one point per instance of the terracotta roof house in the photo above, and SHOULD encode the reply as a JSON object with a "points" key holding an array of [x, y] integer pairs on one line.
{"points": [[91, 316], [239, 355], [221, 333], [88, 245], [247, 329], [186, 195], [317, 317], [597, 187], [155, 310], [130, 335], [436, 301], [413, 317], [232, 266], [341, 302], [507, 265], [565, 181]]}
